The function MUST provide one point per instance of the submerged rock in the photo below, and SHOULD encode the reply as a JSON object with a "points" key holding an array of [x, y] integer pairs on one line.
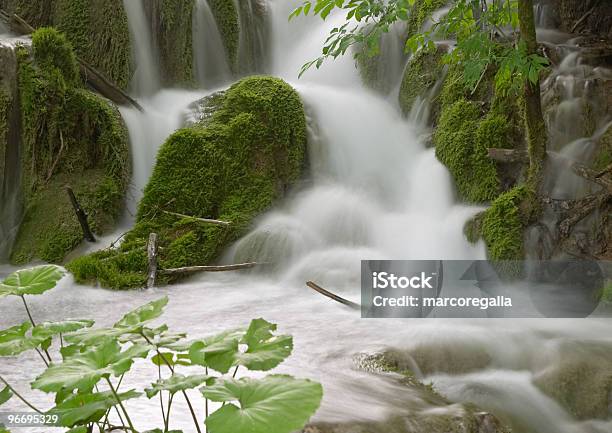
{"points": [[580, 379], [231, 166]]}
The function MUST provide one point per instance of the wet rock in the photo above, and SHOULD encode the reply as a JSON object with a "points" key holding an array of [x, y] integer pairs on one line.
{"points": [[580, 379], [201, 111]]}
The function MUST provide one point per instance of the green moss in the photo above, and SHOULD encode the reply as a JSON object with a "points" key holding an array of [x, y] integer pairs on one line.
{"points": [[231, 167], [70, 136], [421, 11], [54, 54], [503, 225], [226, 15], [5, 102], [175, 41], [464, 152], [422, 73], [37, 13], [98, 30], [603, 155]]}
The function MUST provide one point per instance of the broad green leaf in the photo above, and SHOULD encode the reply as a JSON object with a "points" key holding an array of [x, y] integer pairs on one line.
{"points": [[5, 395], [33, 281], [163, 359], [218, 352], [49, 329], [143, 314], [86, 408], [175, 383], [97, 336], [264, 349], [14, 340], [275, 404], [83, 370]]}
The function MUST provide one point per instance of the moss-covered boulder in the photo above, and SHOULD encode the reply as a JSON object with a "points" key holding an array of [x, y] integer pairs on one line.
{"points": [[230, 167], [97, 29], [580, 379], [70, 137]]}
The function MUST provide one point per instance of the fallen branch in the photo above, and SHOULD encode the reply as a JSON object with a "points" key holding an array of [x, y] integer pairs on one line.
{"points": [[508, 155], [152, 259], [333, 296], [560, 205], [57, 158], [581, 20], [81, 216], [95, 79], [194, 269], [580, 212], [592, 176], [202, 220]]}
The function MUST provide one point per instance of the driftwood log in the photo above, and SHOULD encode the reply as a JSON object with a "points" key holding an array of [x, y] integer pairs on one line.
{"points": [[92, 77], [220, 268], [152, 259], [81, 216], [333, 296]]}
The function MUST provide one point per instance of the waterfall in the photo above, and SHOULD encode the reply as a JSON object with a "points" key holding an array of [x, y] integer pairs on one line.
{"points": [[252, 47], [210, 59], [146, 79]]}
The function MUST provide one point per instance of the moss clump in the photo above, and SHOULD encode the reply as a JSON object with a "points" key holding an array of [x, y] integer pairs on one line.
{"points": [[503, 225], [465, 153], [175, 41], [231, 167], [421, 75], [228, 22], [70, 136], [421, 11], [603, 156]]}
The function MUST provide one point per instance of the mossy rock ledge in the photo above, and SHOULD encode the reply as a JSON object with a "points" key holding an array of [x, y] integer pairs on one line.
{"points": [[231, 166], [69, 137]]}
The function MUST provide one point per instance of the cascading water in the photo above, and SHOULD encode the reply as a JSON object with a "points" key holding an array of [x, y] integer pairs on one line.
{"points": [[376, 192], [146, 79], [210, 58], [253, 41]]}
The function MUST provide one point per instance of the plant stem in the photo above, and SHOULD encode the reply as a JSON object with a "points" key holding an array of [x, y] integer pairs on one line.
{"points": [[206, 404], [163, 358], [19, 396], [25, 304], [127, 416], [167, 421], [42, 356], [235, 371], [161, 397]]}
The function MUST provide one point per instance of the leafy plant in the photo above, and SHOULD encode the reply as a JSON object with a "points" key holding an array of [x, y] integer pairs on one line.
{"points": [[485, 32], [89, 365]]}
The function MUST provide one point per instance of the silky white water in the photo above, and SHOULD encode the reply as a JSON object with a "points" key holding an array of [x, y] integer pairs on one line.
{"points": [[210, 60], [374, 191]]}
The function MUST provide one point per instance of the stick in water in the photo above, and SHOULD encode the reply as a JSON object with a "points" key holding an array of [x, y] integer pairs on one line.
{"points": [[333, 296]]}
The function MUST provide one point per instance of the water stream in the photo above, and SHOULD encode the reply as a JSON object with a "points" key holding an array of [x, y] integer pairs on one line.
{"points": [[376, 192]]}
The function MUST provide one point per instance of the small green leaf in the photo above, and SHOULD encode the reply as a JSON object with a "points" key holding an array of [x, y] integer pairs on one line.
{"points": [[33, 281], [49, 329], [81, 429], [143, 314], [83, 370], [217, 352], [175, 383], [275, 404], [14, 340], [162, 359], [5, 395], [264, 349], [86, 408]]}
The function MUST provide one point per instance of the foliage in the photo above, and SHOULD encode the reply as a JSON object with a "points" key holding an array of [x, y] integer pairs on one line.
{"points": [[240, 161], [86, 380], [70, 136], [476, 26]]}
